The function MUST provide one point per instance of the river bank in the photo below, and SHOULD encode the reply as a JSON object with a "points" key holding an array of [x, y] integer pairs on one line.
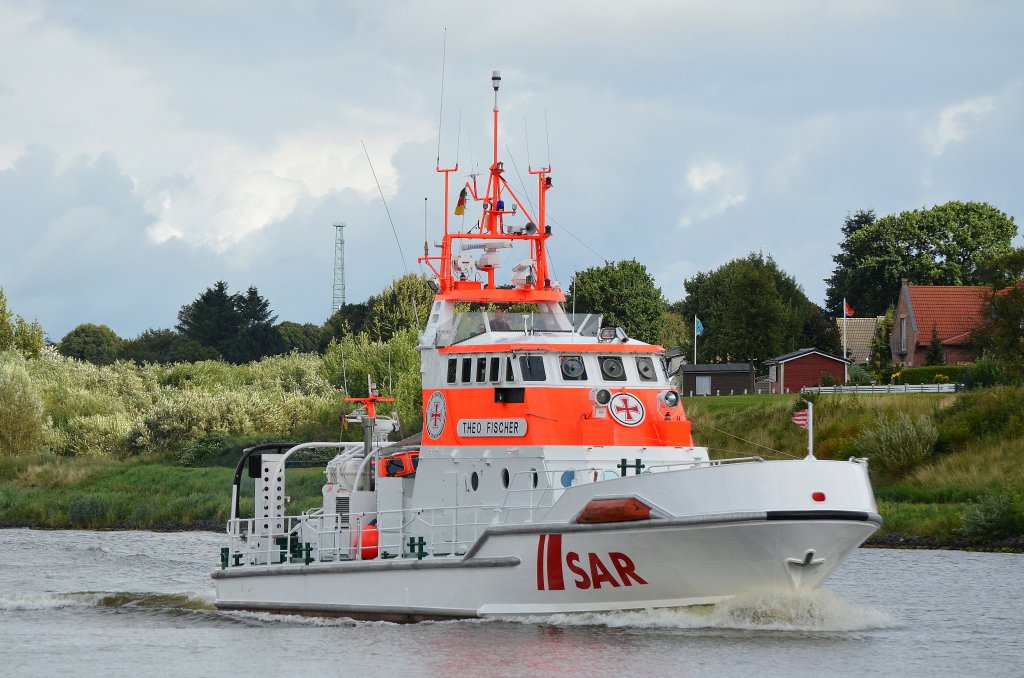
{"points": [[948, 471]]}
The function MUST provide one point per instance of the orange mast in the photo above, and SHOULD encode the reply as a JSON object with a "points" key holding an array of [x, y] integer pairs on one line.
{"points": [[454, 270]]}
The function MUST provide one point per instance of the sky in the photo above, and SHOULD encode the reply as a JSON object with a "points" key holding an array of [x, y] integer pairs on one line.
{"points": [[149, 149]]}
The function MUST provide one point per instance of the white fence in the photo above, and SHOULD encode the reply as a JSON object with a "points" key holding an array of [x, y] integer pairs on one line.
{"points": [[886, 388]]}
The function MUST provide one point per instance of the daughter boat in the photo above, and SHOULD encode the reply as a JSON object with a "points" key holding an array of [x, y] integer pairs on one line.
{"points": [[556, 471]]}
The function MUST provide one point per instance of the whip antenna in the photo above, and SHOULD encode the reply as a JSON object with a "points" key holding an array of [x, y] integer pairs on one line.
{"points": [[412, 294], [440, 110]]}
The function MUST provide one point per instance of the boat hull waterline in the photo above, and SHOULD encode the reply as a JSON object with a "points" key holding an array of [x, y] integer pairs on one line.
{"points": [[562, 567]]}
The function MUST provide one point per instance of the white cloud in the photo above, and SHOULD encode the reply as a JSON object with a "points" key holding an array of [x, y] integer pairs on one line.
{"points": [[704, 175], [956, 122], [715, 187], [235, 192]]}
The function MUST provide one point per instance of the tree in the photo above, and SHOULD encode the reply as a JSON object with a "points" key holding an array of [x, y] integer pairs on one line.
{"points": [[752, 310], [6, 326], [213, 319], [253, 309], [348, 319], [880, 356], [403, 304], [304, 338], [97, 344], [625, 293], [935, 355], [29, 337], [1002, 333], [948, 244], [675, 333], [820, 331], [238, 326], [165, 346]]}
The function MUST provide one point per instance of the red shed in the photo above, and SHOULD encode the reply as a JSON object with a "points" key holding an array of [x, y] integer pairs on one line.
{"points": [[802, 368]]}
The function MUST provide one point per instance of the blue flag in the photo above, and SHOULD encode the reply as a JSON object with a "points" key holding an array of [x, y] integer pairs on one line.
{"points": [[698, 327]]}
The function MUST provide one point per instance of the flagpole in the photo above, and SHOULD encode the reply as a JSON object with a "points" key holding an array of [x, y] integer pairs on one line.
{"points": [[694, 339], [810, 430], [846, 365]]}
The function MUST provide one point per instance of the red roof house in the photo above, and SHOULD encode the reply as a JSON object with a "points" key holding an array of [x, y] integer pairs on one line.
{"points": [[953, 311]]}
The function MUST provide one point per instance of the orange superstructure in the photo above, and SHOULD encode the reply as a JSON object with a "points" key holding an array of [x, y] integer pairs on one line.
{"points": [[539, 379]]}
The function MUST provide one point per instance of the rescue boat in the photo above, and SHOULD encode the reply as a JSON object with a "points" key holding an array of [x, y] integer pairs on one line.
{"points": [[556, 471]]}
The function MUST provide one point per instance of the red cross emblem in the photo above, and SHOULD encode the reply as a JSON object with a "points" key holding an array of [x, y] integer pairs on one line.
{"points": [[627, 409], [437, 410]]}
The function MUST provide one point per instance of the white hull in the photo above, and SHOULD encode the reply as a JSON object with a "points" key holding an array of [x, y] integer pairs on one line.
{"points": [[768, 541], [679, 565]]}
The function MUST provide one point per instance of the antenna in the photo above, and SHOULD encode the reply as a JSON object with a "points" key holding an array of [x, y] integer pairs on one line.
{"points": [[339, 268]]}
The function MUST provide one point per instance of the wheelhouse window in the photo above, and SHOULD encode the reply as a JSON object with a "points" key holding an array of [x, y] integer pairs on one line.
{"points": [[467, 370], [532, 367], [481, 370], [453, 369], [495, 369], [611, 368], [645, 366], [510, 374], [572, 368]]}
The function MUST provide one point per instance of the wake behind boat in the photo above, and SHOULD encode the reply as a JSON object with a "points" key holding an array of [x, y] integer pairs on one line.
{"points": [[556, 471]]}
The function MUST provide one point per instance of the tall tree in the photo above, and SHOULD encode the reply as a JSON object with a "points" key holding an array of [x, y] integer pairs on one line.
{"points": [[880, 356], [626, 294], [1003, 331], [752, 310], [239, 326], [253, 309], [403, 304], [213, 319], [948, 244], [6, 326]]}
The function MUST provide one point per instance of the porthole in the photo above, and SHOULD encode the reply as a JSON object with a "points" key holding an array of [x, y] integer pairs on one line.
{"points": [[474, 481], [536, 478], [572, 368], [645, 366], [611, 368], [505, 478]]}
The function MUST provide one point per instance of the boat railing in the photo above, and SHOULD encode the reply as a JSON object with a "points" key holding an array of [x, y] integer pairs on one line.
{"points": [[697, 463], [434, 531], [474, 323]]}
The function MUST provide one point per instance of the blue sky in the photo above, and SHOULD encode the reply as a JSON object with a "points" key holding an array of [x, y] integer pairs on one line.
{"points": [[150, 149]]}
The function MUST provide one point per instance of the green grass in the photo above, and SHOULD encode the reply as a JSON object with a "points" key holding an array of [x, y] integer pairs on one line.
{"points": [[91, 493], [978, 452]]}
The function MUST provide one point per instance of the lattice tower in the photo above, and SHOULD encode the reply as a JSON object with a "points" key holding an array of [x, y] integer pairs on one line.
{"points": [[339, 268]]}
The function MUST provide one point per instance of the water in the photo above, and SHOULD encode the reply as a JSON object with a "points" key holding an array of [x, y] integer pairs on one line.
{"points": [[140, 603]]}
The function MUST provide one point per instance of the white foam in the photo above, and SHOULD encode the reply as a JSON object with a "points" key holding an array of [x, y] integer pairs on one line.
{"points": [[819, 610], [279, 618], [45, 601]]}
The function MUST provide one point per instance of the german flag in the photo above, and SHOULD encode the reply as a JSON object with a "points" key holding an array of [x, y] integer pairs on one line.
{"points": [[460, 207]]}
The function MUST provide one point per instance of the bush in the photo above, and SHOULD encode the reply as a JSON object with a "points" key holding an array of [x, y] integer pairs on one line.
{"points": [[995, 516], [928, 375], [22, 418], [986, 413], [859, 376], [988, 371], [88, 510], [200, 451], [96, 435], [897, 444], [827, 379]]}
